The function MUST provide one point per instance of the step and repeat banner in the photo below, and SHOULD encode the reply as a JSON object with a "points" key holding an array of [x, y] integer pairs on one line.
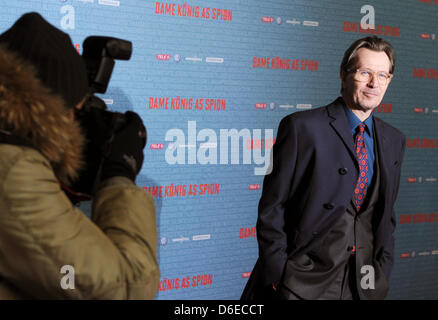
{"points": [[212, 80]]}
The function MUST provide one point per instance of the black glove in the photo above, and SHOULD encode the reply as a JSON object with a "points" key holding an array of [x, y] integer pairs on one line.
{"points": [[125, 157], [97, 127]]}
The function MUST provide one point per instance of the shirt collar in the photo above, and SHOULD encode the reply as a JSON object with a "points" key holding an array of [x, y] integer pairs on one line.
{"points": [[354, 121]]}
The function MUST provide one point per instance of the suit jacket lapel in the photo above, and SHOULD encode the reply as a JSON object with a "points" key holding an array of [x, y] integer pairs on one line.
{"points": [[340, 124]]}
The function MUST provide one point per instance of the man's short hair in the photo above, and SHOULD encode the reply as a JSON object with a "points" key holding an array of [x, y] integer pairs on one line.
{"points": [[372, 43]]}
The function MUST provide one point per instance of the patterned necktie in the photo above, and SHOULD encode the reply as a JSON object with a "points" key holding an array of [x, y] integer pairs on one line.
{"points": [[362, 158]]}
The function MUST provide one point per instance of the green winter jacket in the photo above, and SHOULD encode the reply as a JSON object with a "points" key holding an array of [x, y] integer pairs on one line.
{"points": [[48, 248]]}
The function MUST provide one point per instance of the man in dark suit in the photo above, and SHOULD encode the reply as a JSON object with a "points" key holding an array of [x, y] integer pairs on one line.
{"points": [[326, 216]]}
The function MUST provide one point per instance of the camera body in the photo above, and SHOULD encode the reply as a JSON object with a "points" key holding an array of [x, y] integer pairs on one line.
{"points": [[97, 123]]}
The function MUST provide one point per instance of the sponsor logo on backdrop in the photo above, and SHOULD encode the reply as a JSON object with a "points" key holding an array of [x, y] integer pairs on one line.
{"points": [[183, 190], [428, 36], [420, 179], [185, 282], [112, 3], [185, 103], [180, 239], [424, 143], [415, 179], [194, 59], [419, 218], [197, 12], [278, 63], [164, 241], [197, 237], [299, 106], [425, 73], [201, 237], [308, 23], [412, 179], [213, 151], [260, 105], [214, 60], [271, 106], [157, 146], [413, 254], [246, 275], [294, 22], [163, 57], [254, 186], [178, 58], [426, 110]]}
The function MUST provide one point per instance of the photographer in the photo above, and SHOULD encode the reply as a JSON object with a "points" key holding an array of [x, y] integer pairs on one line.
{"points": [[43, 80]]}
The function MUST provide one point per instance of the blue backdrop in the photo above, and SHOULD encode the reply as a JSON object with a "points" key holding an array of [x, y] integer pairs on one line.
{"points": [[211, 81]]}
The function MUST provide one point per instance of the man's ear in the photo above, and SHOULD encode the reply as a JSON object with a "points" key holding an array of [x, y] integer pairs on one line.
{"points": [[389, 81], [342, 75]]}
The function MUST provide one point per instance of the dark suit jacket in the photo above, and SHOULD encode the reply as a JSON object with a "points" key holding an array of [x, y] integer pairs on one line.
{"points": [[314, 174]]}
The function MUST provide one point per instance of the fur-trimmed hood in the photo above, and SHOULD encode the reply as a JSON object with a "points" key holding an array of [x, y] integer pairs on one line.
{"points": [[28, 109]]}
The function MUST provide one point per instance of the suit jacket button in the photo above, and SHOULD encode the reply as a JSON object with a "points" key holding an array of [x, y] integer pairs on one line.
{"points": [[343, 171], [329, 206]]}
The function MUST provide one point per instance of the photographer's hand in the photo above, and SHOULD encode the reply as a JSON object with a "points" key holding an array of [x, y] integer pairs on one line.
{"points": [[126, 155]]}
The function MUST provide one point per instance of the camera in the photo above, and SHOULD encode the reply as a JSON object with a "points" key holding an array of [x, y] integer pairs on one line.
{"points": [[97, 123]]}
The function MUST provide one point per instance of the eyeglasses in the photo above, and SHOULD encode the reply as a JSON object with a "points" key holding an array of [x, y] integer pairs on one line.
{"points": [[365, 75]]}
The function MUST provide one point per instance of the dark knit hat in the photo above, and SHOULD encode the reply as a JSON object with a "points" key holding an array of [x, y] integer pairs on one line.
{"points": [[50, 50]]}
